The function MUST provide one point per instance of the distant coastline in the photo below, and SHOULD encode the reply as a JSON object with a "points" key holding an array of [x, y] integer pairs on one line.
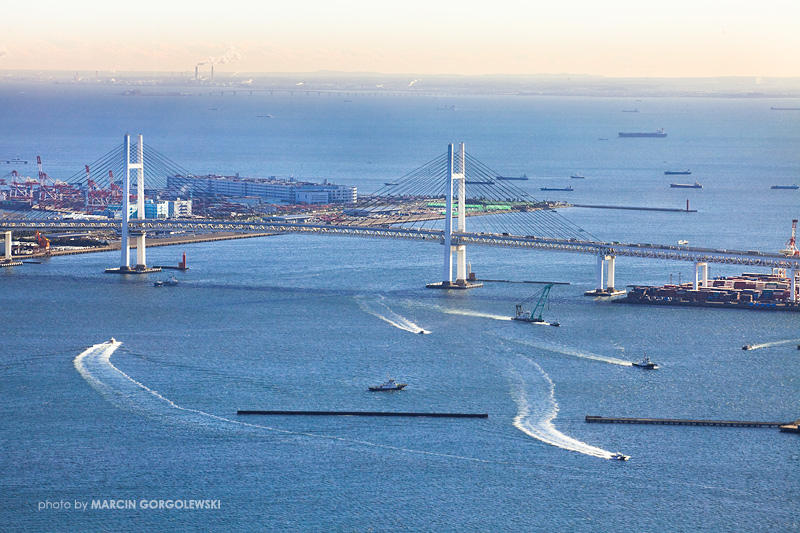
{"points": [[370, 83]]}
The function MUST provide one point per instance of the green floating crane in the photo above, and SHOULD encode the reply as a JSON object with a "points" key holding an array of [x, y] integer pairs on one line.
{"points": [[535, 316]]}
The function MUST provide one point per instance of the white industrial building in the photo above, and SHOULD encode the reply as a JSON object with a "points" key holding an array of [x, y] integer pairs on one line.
{"points": [[271, 190]]}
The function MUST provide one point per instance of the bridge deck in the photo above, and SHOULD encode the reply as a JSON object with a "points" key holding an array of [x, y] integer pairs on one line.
{"points": [[646, 251]]}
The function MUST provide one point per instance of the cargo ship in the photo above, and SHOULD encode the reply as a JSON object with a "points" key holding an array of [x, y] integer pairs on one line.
{"points": [[658, 133], [677, 172], [785, 187], [524, 177], [568, 188], [694, 185], [749, 291]]}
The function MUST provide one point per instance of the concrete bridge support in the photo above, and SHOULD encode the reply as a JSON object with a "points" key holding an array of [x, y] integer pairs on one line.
{"points": [[606, 268], [698, 280], [7, 241]]}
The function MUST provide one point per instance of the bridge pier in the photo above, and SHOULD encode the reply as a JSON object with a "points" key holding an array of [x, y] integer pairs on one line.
{"points": [[7, 241], [7, 260], [605, 262], [141, 263], [456, 172], [698, 281]]}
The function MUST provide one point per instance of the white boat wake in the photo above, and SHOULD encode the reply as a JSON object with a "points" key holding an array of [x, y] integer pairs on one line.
{"points": [[774, 343], [94, 364], [536, 411], [474, 313], [566, 350], [381, 310]]}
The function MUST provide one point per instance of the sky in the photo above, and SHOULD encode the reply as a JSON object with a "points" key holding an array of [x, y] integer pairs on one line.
{"points": [[615, 38]]}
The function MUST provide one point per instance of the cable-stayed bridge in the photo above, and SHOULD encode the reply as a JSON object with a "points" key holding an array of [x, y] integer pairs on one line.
{"points": [[435, 202]]}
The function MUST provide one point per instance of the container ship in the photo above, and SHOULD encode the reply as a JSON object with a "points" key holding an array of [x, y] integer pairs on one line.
{"points": [[748, 291], [657, 133]]}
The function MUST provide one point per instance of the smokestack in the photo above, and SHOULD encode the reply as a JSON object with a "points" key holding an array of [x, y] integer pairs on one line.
{"points": [[212, 72], [195, 73]]}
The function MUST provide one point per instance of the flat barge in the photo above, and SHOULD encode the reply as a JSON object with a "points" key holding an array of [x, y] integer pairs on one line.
{"points": [[682, 422], [659, 133], [362, 413]]}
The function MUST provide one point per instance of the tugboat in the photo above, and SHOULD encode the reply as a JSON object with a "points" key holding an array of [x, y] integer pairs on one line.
{"points": [[620, 457], [750, 347], [535, 316], [389, 385], [171, 282], [646, 363]]}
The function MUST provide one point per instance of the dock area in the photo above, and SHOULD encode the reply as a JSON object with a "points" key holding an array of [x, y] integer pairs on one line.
{"points": [[362, 413], [634, 208], [682, 422]]}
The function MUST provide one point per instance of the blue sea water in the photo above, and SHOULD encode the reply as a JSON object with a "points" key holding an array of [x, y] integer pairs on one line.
{"points": [[309, 322]]}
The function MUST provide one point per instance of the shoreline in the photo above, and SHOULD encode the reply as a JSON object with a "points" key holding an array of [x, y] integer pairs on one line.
{"points": [[151, 243]]}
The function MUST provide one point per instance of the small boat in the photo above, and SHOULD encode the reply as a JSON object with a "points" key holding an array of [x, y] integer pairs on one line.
{"points": [[694, 185], [750, 347], [578, 177], [568, 188], [171, 282], [677, 172], [389, 385], [620, 457], [683, 242], [646, 363], [388, 184], [794, 186]]}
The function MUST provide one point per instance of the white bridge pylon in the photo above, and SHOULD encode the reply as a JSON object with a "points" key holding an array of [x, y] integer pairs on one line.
{"points": [[125, 244], [455, 189]]}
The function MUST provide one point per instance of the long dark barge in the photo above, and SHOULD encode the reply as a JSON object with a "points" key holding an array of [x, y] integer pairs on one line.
{"points": [[683, 422], [362, 413]]}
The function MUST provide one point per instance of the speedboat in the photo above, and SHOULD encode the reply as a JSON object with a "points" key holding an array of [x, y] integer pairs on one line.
{"points": [[620, 457], [750, 347], [171, 282], [389, 385], [646, 363]]}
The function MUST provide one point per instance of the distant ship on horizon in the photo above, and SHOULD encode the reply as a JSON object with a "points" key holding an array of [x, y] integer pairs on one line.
{"points": [[658, 133]]}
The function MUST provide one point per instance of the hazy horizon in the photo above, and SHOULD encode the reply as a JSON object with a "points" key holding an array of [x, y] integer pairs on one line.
{"points": [[615, 39]]}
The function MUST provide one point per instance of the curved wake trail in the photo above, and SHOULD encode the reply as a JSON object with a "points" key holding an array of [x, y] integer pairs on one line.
{"points": [[94, 364], [536, 411], [474, 313], [570, 351], [387, 315], [774, 343]]}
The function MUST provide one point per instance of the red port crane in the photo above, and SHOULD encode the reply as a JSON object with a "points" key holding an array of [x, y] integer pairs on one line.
{"points": [[791, 249]]}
